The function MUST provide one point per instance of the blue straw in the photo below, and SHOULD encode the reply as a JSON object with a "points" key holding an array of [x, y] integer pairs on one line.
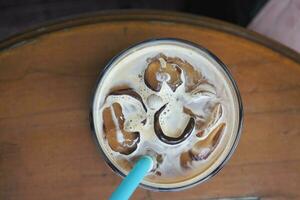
{"points": [[133, 179]]}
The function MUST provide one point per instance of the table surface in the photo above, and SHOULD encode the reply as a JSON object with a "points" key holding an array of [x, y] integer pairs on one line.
{"points": [[46, 80]]}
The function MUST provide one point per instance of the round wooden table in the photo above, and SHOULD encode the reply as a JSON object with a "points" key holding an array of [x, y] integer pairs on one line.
{"points": [[47, 76]]}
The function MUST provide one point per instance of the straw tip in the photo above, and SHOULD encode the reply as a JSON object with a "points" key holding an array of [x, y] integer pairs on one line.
{"points": [[149, 160]]}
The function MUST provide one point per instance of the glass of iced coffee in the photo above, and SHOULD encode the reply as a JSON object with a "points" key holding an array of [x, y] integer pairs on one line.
{"points": [[172, 100]]}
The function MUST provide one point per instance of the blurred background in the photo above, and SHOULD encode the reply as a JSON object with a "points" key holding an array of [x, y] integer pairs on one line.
{"points": [[278, 19]]}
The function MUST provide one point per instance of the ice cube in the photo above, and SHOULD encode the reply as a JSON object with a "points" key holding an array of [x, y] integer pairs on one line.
{"points": [[159, 71], [206, 111], [174, 138], [204, 89], [118, 138], [173, 121], [203, 148], [193, 78]]}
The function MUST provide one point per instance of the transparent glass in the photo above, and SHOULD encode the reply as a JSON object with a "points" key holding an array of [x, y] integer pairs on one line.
{"points": [[238, 102]]}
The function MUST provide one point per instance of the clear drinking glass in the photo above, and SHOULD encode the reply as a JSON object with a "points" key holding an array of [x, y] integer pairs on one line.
{"points": [[220, 67]]}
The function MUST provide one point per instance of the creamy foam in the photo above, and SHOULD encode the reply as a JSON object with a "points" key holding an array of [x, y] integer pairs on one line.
{"points": [[178, 101]]}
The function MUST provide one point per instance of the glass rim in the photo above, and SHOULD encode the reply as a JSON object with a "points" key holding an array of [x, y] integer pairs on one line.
{"points": [[232, 82]]}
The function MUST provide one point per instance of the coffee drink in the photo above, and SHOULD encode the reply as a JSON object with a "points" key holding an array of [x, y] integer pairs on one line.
{"points": [[171, 100]]}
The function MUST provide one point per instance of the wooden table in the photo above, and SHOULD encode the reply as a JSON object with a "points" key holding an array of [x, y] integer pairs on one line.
{"points": [[46, 78]]}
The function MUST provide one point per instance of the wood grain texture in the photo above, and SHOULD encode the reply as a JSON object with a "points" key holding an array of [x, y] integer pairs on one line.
{"points": [[46, 82]]}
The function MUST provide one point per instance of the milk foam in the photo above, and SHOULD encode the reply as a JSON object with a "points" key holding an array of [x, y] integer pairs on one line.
{"points": [[128, 70]]}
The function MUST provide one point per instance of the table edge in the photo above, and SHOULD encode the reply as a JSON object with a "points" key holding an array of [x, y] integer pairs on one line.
{"points": [[24, 37]]}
